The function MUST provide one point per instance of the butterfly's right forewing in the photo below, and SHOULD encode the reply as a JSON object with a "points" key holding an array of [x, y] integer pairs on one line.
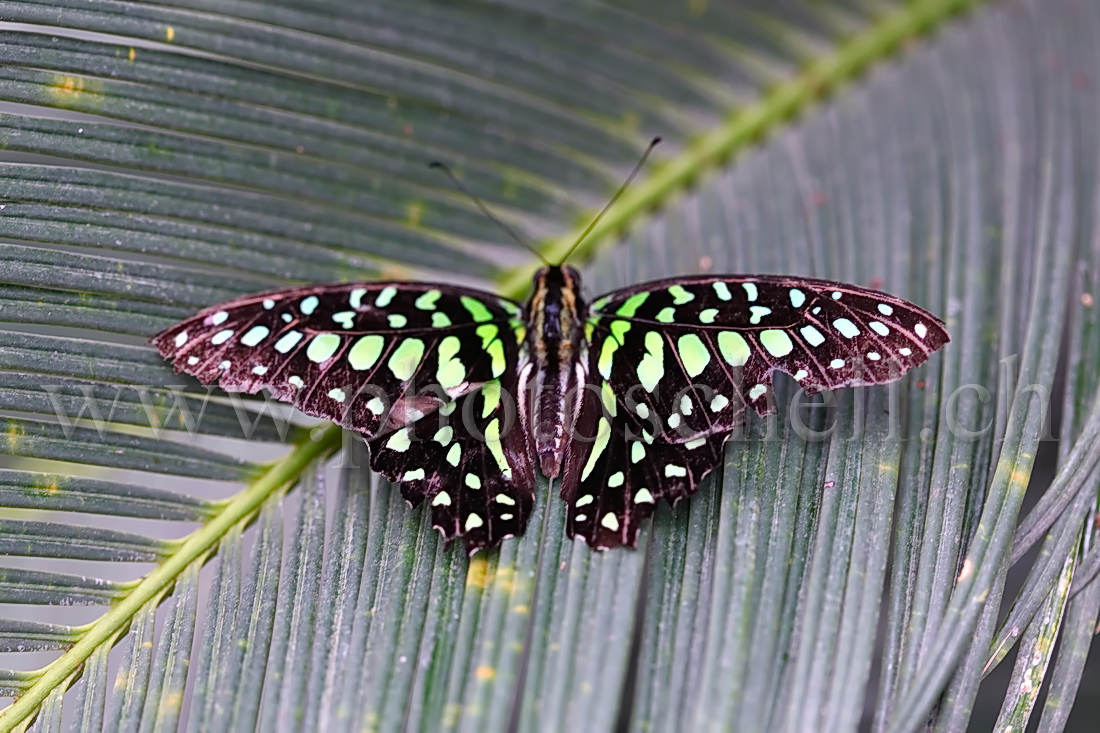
{"points": [[361, 355]]}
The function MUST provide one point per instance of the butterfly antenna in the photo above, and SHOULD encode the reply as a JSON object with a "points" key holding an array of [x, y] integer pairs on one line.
{"points": [[616, 197], [485, 210]]}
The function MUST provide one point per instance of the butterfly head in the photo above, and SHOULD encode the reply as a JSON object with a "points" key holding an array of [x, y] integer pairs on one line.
{"points": [[555, 292], [558, 278]]}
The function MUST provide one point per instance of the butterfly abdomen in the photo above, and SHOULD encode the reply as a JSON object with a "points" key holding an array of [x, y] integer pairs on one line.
{"points": [[555, 341]]}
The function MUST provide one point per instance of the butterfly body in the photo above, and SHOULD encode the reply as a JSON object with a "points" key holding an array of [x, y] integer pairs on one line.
{"points": [[625, 400], [555, 358]]}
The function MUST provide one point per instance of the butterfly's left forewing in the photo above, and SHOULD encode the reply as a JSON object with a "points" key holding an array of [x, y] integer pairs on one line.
{"points": [[679, 361]]}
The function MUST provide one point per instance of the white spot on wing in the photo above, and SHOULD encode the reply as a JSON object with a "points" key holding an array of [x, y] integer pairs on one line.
{"points": [[308, 305], [288, 341], [758, 312], [812, 335], [846, 328], [255, 335]]}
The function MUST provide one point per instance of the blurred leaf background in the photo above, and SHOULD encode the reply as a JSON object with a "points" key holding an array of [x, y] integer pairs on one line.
{"points": [[159, 158]]}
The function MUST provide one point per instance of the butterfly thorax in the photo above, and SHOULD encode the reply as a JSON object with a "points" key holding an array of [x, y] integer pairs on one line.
{"points": [[556, 352]]}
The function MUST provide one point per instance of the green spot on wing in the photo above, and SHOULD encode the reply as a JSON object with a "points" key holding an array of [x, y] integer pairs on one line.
{"points": [[451, 371], [652, 366], [406, 358], [734, 348], [608, 397], [426, 302], [323, 347], [603, 434], [619, 329], [607, 355], [630, 307], [693, 353], [478, 310], [399, 441], [365, 352], [490, 341], [492, 442], [680, 295], [758, 312], [777, 342], [385, 296], [496, 353], [667, 315], [490, 397]]}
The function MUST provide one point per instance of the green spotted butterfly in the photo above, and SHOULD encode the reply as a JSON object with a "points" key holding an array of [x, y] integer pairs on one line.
{"points": [[461, 395]]}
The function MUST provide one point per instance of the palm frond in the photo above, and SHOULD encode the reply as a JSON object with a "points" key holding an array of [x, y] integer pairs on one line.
{"points": [[152, 148]]}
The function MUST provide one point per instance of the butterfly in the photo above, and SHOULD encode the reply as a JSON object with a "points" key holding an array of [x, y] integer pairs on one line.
{"points": [[626, 400]]}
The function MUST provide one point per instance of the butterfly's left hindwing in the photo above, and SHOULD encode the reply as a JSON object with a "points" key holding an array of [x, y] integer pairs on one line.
{"points": [[679, 362]]}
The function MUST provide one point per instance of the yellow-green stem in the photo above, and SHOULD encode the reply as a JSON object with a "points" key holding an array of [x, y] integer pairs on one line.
{"points": [[752, 122]]}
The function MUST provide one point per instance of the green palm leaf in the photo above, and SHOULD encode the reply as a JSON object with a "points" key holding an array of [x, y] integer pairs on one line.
{"points": [[163, 158]]}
